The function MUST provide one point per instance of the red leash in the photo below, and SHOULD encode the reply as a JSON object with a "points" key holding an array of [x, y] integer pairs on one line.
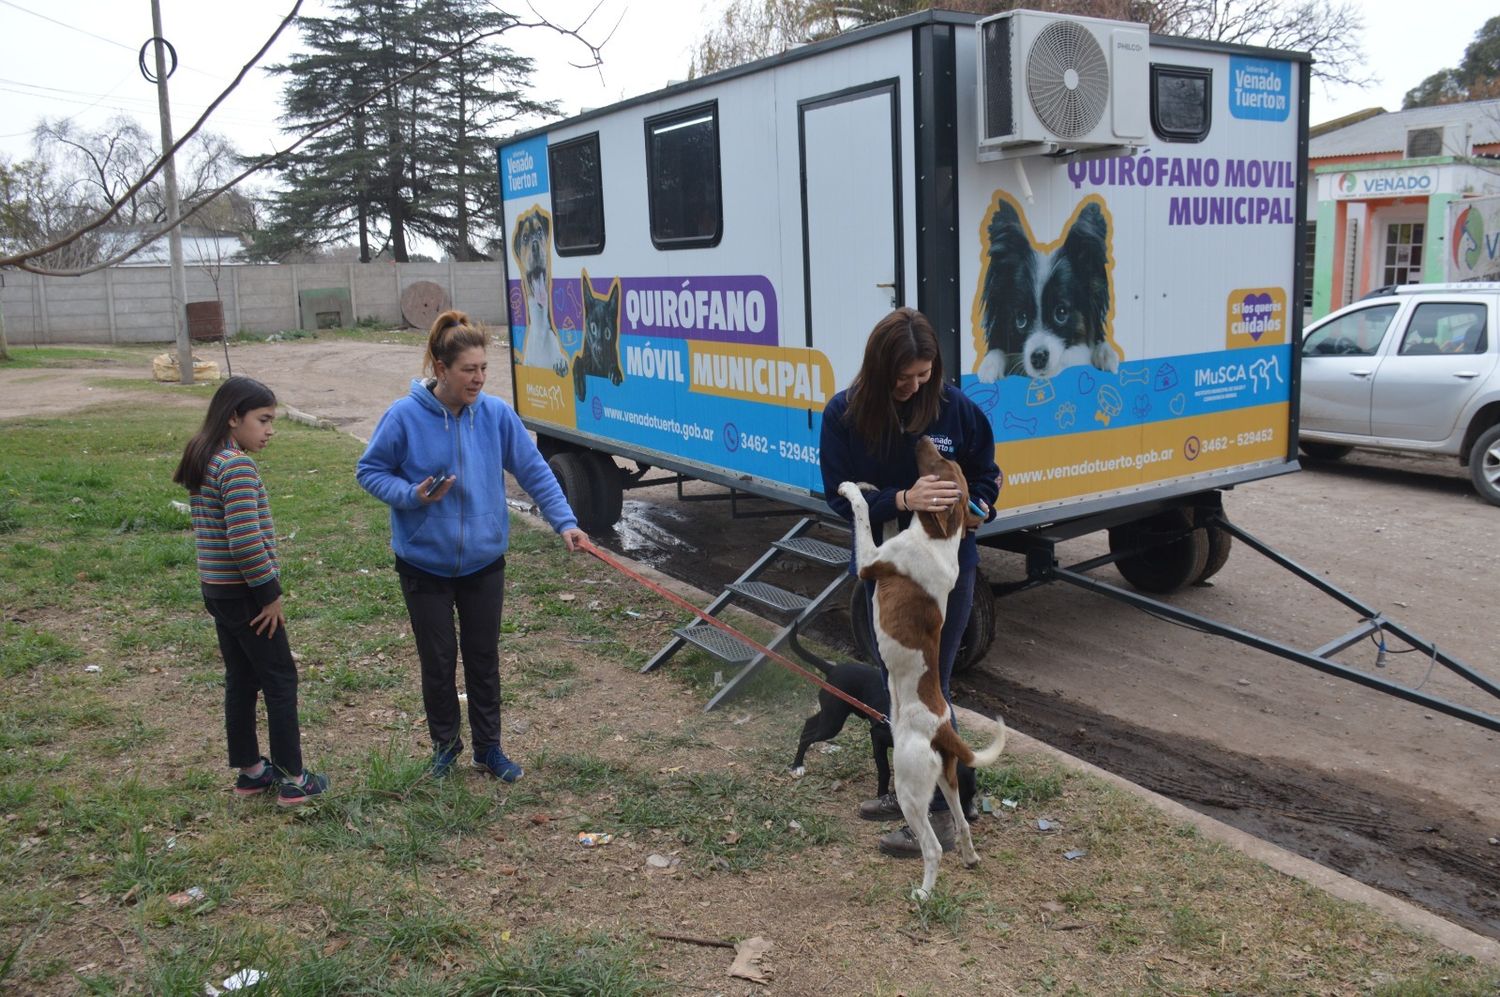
{"points": [[868, 711]]}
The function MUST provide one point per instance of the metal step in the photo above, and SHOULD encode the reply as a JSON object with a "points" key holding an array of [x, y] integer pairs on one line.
{"points": [[716, 642], [770, 596], [816, 551]]}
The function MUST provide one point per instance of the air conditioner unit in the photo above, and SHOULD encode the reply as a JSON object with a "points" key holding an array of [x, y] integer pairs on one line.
{"points": [[1050, 83], [1450, 139]]}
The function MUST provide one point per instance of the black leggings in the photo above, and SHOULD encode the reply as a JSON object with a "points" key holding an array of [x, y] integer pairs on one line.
{"points": [[255, 664], [431, 603]]}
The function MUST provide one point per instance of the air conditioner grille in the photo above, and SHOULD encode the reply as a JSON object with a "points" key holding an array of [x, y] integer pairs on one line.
{"points": [[999, 110], [1067, 79], [1424, 142]]}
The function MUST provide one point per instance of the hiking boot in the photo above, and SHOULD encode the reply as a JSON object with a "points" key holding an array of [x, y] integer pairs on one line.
{"points": [[443, 758], [245, 785], [293, 793], [883, 807], [493, 761], [902, 844]]}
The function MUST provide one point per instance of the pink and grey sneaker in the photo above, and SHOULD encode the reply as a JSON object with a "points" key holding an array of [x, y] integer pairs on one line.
{"points": [[295, 793], [245, 785]]}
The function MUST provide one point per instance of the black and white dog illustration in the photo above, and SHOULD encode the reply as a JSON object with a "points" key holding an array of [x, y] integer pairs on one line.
{"points": [[600, 353], [865, 683], [1042, 313], [531, 245]]}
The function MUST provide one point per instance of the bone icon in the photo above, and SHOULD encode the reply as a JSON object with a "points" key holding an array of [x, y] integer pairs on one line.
{"points": [[1138, 375], [1028, 426]]}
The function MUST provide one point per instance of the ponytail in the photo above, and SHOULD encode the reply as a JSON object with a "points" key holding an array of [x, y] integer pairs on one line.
{"points": [[451, 335]]}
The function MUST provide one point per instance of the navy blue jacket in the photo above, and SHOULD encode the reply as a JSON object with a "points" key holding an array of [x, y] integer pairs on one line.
{"points": [[961, 432]]}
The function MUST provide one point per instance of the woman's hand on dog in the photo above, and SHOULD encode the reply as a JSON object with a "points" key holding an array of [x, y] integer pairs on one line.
{"points": [[931, 494]]}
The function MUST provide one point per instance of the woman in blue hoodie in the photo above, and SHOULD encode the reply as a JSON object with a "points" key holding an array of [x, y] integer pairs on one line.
{"points": [[438, 459]]}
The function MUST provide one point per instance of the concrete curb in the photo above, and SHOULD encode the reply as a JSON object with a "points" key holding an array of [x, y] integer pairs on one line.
{"points": [[297, 415], [1409, 916]]}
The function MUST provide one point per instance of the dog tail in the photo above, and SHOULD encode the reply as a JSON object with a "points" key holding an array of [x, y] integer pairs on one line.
{"points": [[991, 754]]}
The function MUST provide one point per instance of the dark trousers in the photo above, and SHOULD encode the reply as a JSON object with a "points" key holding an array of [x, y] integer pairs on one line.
{"points": [[431, 603], [255, 664], [955, 622]]}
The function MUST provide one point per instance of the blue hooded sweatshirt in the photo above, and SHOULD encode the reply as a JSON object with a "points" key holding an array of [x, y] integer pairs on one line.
{"points": [[469, 527]]}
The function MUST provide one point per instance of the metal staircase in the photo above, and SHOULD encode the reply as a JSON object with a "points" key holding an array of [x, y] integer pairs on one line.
{"points": [[794, 610]]}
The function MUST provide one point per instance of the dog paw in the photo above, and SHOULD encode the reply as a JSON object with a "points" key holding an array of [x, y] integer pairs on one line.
{"points": [[798, 772], [992, 367], [920, 895], [560, 367], [971, 862], [851, 492]]}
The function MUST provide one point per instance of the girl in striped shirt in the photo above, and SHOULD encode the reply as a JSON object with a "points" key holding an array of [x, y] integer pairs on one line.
{"points": [[240, 578]]}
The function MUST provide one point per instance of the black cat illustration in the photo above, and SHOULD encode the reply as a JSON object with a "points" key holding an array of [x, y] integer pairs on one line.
{"points": [[600, 354]]}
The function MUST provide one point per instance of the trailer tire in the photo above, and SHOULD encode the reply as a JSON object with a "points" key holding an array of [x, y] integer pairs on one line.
{"points": [[1220, 543], [609, 487], [980, 632], [1324, 451], [577, 479], [978, 635], [1484, 465], [1160, 565]]}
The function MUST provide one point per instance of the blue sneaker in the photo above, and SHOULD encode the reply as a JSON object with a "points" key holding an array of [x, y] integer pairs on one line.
{"points": [[493, 761], [443, 757], [294, 793], [245, 785]]}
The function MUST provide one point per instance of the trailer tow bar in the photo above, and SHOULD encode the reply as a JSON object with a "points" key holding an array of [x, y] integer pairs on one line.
{"points": [[1042, 566]]}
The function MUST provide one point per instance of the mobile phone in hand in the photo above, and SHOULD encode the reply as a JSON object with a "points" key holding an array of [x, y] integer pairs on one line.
{"points": [[437, 482]]}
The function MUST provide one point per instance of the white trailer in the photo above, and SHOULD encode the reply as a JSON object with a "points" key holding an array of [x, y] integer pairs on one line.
{"points": [[1104, 226], [693, 273]]}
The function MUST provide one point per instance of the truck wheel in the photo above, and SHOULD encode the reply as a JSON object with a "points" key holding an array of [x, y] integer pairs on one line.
{"points": [[575, 477], [980, 632], [608, 487], [1220, 541], [1324, 451], [1484, 465], [1160, 564]]}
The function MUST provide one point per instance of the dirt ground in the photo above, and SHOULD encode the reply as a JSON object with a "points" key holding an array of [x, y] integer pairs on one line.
{"points": [[1389, 792]]}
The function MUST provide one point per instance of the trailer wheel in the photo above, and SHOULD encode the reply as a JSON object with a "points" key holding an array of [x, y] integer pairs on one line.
{"points": [[1219, 544], [1484, 465], [576, 478], [980, 632], [978, 635], [1324, 451], [609, 489], [1160, 563]]}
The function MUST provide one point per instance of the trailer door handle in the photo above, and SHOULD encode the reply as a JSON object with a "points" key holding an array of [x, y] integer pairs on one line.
{"points": [[890, 286], [1466, 374], [1360, 373]]}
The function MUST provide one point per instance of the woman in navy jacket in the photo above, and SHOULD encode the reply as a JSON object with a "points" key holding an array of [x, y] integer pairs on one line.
{"points": [[438, 458], [868, 431]]}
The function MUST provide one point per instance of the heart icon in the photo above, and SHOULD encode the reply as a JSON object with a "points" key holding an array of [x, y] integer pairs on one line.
{"points": [[1085, 383], [1178, 404], [1255, 314]]}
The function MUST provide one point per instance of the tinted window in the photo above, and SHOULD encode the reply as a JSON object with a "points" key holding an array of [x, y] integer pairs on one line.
{"points": [[1181, 97], [682, 167], [577, 196], [1445, 327], [1357, 334]]}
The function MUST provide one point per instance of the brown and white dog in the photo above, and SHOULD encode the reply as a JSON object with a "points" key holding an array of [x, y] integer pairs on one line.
{"points": [[913, 573], [531, 243]]}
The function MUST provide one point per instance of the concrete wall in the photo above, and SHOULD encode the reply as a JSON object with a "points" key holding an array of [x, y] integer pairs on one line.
{"points": [[134, 304]]}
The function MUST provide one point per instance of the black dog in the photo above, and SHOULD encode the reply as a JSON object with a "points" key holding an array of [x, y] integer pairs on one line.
{"points": [[866, 684], [600, 354], [1041, 313]]}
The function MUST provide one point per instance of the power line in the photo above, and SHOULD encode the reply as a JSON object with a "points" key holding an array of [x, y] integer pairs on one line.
{"points": [[110, 41]]}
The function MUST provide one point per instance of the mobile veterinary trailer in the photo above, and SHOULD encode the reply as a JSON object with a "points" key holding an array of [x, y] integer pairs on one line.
{"points": [[1105, 228], [1102, 225]]}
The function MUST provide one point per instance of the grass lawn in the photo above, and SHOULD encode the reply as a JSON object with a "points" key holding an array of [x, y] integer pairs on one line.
{"points": [[126, 866]]}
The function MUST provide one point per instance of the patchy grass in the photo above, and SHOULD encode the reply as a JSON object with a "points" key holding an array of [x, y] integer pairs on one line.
{"points": [[27, 357], [126, 866]]}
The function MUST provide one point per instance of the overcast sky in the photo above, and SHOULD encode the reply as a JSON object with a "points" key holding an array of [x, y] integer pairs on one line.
{"points": [[77, 59]]}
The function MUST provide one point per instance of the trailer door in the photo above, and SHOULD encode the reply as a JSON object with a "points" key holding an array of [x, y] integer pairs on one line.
{"points": [[851, 218]]}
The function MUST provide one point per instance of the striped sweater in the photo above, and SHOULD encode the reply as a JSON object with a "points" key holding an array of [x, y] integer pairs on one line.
{"points": [[233, 532]]}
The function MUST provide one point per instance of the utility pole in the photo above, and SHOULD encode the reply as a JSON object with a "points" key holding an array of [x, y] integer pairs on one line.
{"points": [[169, 172]]}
